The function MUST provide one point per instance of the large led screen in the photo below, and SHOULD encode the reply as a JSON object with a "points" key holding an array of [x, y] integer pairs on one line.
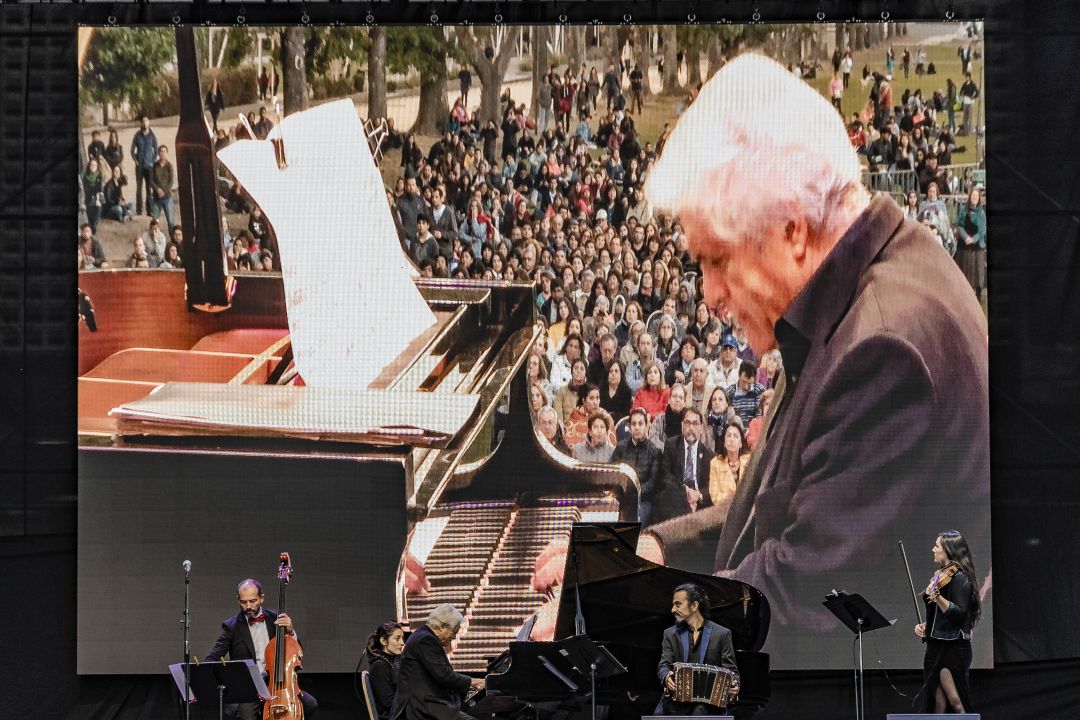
{"points": [[414, 300]]}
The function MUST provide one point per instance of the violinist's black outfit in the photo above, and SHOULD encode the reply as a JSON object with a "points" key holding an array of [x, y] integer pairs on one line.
{"points": [[382, 673], [948, 640]]}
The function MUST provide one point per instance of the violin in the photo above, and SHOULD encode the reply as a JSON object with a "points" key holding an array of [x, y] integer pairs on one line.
{"points": [[942, 577], [283, 653]]}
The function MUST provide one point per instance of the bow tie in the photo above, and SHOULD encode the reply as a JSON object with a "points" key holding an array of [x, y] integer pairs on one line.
{"points": [[257, 619]]}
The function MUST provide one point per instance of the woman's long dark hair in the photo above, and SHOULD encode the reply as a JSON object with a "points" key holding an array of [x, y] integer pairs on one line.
{"points": [[956, 549], [374, 642]]}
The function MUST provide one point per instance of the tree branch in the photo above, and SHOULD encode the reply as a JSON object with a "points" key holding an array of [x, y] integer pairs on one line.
{"points": [[502, 60], [468, 44]]}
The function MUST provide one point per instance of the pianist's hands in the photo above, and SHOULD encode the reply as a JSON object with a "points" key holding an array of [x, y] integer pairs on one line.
{"points": [[416, 582], [550, 565], [477, 684]]}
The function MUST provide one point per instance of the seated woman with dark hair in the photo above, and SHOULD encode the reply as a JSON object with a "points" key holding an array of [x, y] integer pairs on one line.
{"points": [[384, 647], [577, 423], [614, 394], [726, 468]]}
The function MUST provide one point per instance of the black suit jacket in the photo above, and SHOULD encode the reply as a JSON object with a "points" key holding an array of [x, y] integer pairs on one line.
{"points": [[880, 430], [670, 497], [715, 641], [235, 638], [427, 687]]}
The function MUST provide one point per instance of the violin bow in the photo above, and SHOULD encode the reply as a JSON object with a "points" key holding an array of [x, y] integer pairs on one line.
{"points": [[911, 583]]}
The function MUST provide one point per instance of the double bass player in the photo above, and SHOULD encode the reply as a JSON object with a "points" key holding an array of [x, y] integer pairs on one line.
{"points": [[245, 636]]}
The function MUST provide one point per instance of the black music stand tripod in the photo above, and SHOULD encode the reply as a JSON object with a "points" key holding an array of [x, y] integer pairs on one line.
{"points": [[859, 616], [591, 660], [227, 681]]}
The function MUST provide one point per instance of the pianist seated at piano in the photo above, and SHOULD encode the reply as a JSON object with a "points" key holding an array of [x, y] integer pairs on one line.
{"points": [[428, 687], [692, 639], [384, 647]]}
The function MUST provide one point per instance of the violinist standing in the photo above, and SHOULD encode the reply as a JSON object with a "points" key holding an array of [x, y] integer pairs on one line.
{"points": [[953, 609], [245, 636]]}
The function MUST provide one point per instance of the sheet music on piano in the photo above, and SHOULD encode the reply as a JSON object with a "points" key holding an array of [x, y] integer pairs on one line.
{"points": [[351, 302]]}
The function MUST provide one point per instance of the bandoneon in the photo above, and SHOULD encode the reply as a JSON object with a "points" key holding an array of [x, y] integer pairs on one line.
{"points": [[709, 684]]}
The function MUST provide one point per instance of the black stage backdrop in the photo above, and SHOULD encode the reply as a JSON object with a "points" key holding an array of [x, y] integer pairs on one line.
{"points": [[1031, 52]]}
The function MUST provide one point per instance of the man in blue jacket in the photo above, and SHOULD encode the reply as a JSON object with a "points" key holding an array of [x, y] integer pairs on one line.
{"points": [[144, 152]]}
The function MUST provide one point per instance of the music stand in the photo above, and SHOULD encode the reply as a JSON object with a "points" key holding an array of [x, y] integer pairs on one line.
{"points": [[231, 681], [859, 616], [589, 659]]}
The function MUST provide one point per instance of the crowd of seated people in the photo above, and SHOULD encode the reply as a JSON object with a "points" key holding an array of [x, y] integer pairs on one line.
{"points": [[627, 351]]}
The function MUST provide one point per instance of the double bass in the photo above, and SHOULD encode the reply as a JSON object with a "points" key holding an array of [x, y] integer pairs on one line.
{"points": [[284, 655]]}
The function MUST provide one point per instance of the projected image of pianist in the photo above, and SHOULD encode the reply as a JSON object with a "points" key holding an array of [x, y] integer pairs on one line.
{"points": [[879, 426]]}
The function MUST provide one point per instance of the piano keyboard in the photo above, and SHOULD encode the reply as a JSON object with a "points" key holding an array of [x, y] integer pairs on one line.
{"points": [[483, 564], [458, 560]]}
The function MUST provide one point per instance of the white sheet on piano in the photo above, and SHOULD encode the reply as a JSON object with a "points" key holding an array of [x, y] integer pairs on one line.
{"points": [[351, 302]]}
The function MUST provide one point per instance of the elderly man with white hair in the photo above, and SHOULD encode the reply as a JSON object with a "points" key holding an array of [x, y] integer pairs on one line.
{"points": [[880, 427], [428, 688]]}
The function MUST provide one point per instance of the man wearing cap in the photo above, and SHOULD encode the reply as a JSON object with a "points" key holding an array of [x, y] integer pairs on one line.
{"points": [[881, 414]]}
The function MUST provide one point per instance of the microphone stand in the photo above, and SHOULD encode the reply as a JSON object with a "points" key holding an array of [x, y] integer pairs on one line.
{"points": [[187, 645]]}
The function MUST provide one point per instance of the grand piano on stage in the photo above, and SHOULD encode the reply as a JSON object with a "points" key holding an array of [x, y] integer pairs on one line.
{"points": [[623, 602]]}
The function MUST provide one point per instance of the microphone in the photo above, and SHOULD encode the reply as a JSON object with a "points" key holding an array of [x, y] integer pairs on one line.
{"points": [[187, 567]]}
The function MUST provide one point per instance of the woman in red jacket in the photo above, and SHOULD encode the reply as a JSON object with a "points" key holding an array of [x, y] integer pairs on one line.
{"points": [[653, 396]]}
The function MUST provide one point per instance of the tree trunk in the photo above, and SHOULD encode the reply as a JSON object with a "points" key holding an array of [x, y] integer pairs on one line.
{"points": [[608, 41], [693, 67], [490, 82], [619, 37], [670, 78], [490, 72], [716, 57], [433, 106], [376, 72], [541, 35], [643, 56], [434, 109], [841, 39], [575, 47], [292, 70]]}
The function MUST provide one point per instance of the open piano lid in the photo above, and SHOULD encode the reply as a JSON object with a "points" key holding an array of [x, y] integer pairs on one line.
{"points": [[626, 599]]}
